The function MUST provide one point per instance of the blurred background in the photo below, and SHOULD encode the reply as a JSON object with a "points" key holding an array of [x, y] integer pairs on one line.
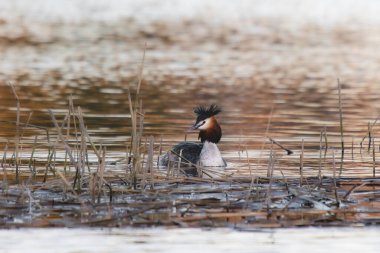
{"points": [[246, 56]]}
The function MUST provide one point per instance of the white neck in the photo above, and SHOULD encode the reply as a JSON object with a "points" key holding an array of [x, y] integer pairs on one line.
{"points": [[210, 156]]}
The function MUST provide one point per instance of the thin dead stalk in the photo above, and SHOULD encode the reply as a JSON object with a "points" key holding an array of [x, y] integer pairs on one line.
{"points": [[101, 172], [17, 137], [259, 161], [320, 160], [135, 144], [5, 180], [66, 146], [334, 180], [270, 176], [353, 189], [341, 127], [141, 71], [288, 151], [301, 163], [373, 158], [249, 163], [370, 127]]}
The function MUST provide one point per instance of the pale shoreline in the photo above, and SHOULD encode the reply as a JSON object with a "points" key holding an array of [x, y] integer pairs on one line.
{"points": [[348, 239]]}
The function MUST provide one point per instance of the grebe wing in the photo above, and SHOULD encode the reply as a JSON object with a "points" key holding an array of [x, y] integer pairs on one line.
{"points": [[190, 151]]}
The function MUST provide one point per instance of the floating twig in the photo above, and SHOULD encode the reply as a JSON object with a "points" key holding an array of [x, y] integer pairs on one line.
{"points": [[288, 151]]}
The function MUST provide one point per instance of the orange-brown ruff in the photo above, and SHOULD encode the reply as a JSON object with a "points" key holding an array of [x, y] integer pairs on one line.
{"points": [[212, 133], [205, 153]]}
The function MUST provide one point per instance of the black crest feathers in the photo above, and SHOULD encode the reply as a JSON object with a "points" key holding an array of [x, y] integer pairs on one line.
{"points": [[204, 113]]}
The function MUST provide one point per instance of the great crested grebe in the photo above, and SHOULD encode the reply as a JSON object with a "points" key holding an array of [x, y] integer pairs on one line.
{"points": [[205, 154]]}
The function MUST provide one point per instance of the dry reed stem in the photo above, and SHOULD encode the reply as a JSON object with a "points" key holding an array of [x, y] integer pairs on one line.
{"points": [[326, 142], [68, 185], [85, 135], [135, 147], [4, 160], [353, 189], [73, 114], [26, 124], [370, 127], [334, 180], [141, 121], [249, 163], [179, 161], [5, 177], [271, 163], [48, 161], [301, 163], [259, 160], [150, 156], [141, 69], [320, 160], [159, 152], [151, 160], [373, 158], [82, 150], [288, 151], [17, 137], [84, 132], [341, 126], [23, 129], [102, 165], [369, 136], [170, 164], [134, 112], [32, 155], [66, 146]]}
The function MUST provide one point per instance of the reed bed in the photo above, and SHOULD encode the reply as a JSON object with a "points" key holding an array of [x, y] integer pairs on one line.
{"points": [[75, 185]]}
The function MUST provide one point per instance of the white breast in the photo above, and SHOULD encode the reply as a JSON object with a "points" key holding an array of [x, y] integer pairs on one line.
{"points": [[210, 156]]}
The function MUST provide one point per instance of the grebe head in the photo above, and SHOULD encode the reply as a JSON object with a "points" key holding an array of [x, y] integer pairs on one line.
{"points": [[207, 124]]}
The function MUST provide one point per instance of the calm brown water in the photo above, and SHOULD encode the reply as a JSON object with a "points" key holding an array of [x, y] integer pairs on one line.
{"points": [[270, 78], [245, 71]]}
